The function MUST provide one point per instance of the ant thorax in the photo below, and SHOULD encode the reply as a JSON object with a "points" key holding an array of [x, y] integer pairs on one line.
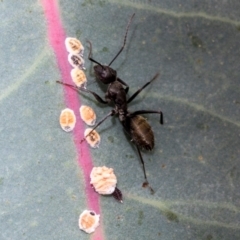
{"points": [[116, 94], [121, 114]]}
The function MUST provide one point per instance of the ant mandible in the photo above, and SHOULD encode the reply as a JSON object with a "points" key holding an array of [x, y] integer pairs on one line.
{"points": [[136, 126]]}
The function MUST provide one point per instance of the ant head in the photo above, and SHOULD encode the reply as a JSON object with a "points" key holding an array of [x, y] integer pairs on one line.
{"points": [[105, 74]]}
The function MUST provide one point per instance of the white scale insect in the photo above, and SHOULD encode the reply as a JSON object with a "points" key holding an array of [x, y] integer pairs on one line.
{"points": [[88, 115], [67, 120], [75, 49], [73, 45], [93, 138], [88, 221], [78, 77], [104, 181]]}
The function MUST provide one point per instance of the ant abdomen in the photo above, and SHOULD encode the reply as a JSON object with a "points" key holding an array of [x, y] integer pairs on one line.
{"points": [[141, 132]]}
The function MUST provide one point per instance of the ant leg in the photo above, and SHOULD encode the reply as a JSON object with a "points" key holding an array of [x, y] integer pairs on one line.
{"points": [[79, 89], [112, 113], [124, 42], [139, 90], [123, 83], [144, 171], [147, 112]]}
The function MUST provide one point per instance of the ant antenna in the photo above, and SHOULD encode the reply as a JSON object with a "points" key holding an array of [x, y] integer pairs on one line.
{"points": [[124, 42], [90, 55]]}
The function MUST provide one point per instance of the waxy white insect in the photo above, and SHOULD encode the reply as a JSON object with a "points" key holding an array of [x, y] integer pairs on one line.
{"points": [[88, 115], [76, 61], [79, 77], [88, 221], [67, 119], [93, 138], [103, 180], [73, 45]]}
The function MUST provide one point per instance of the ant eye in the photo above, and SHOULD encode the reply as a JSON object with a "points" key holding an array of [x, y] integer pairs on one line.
{"points": [[67, 120]]}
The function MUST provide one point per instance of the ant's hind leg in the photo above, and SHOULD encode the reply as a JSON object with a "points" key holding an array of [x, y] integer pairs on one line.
{"points": [[145, 184]]}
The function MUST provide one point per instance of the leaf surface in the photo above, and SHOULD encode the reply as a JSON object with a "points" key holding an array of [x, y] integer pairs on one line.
{"points": [[195, 165]]}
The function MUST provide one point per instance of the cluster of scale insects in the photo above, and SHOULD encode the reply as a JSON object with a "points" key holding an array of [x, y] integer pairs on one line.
{"points": [[136, 126]]}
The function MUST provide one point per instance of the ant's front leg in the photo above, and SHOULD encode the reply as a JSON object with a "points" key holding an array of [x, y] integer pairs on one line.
{"points": [[79, 89]]}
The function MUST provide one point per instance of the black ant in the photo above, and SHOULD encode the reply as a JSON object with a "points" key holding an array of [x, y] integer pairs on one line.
{"points": [[134, 124]]}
